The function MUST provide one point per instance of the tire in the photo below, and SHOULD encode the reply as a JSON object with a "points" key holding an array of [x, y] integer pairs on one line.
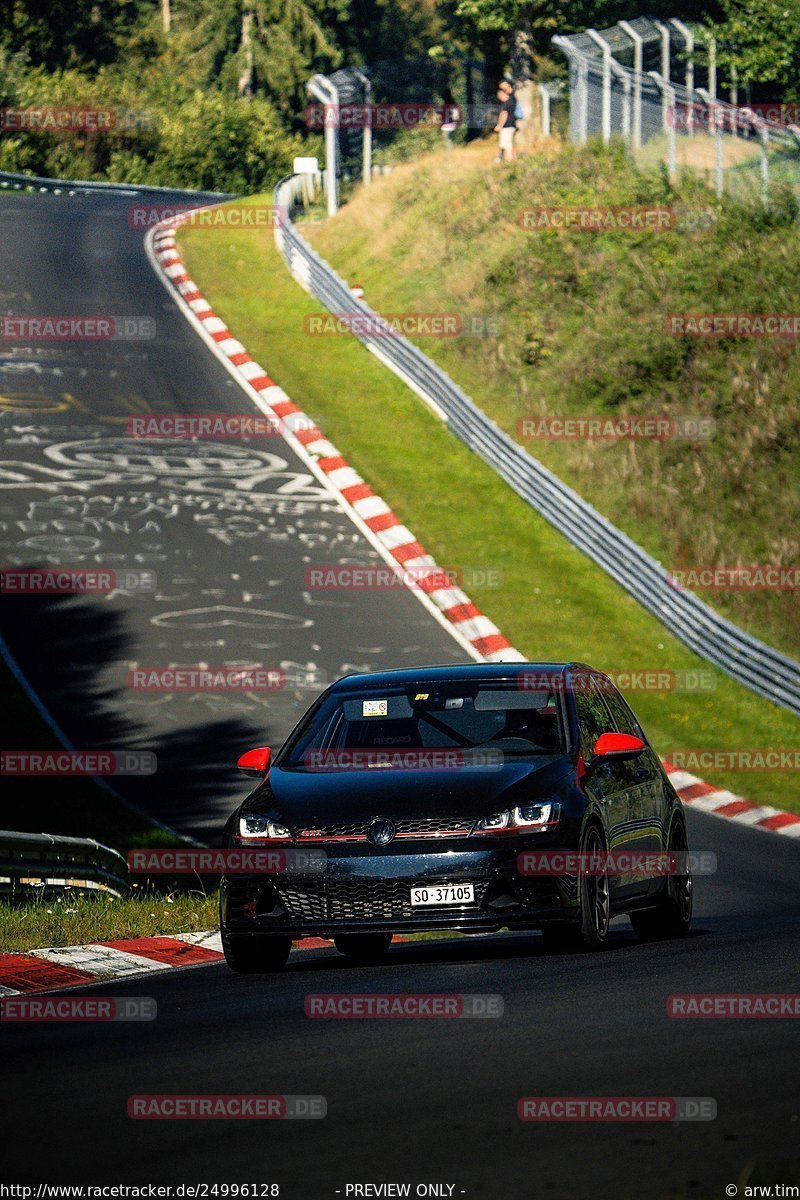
{"points": [[255, 955], [595, 895], [672, 916], [363, 945]]}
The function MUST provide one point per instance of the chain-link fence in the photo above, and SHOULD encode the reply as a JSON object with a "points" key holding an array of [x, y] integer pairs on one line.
{"points": [[654, 83]]}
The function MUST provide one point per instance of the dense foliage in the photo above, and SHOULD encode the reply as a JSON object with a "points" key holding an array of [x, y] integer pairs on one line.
{"points": [[211, 93]]}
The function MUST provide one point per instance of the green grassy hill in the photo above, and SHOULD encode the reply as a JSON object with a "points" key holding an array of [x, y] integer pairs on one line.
{"points": [[582, 333]]}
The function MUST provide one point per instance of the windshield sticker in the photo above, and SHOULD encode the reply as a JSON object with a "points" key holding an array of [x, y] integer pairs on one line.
{"points": [[375, 708]]}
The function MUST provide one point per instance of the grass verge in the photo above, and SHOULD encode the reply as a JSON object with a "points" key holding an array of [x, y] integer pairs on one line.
{"points": [[580, 330], [73, 920], [552, 603]]}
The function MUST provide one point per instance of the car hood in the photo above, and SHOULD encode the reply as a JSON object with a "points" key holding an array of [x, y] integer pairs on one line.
{"points": [[303, 798]]}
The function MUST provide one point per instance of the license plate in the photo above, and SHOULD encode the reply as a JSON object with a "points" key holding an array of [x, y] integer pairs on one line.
{"points": [[443, 893]]}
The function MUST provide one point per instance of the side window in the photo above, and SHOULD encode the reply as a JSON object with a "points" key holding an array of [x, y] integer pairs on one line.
{"points": [[623, 717], [593, 716]]}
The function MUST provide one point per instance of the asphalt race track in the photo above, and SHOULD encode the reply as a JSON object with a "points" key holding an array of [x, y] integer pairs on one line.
{"points": [[435, 1100], [228, 529], [408, 1101]]}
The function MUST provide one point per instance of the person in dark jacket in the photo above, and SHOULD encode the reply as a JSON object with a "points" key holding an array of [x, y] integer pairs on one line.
{"points": [[507, 120]]}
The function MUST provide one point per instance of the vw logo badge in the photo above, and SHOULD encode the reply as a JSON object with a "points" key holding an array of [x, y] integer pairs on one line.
{"points": [[381, 831]]}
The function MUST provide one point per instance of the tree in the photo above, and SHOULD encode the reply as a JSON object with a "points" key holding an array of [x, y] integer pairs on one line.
{"points": [[761, 39]]}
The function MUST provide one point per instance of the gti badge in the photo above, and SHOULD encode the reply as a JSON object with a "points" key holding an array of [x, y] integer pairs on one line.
{"points": [[381, 831]]}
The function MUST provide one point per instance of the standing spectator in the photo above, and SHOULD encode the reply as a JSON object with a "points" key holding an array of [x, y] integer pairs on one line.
{"points": [[507, 120]]}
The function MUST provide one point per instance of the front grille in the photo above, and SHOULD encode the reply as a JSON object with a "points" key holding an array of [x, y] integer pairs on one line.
{"points": [[362, 900], [432, 827]]}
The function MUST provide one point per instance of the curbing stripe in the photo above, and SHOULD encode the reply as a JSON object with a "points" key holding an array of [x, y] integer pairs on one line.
{"points": [[62, 967]]}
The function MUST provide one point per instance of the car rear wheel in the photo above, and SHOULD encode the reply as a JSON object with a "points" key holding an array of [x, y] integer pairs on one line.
{"points": [[363, 945], [255, 955], [672, 916]]}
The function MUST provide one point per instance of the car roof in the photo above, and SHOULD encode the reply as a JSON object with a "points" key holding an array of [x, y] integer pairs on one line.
{"points": [[453, 672]]}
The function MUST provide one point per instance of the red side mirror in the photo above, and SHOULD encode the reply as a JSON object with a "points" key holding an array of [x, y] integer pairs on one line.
{"points": [[256, 762], [617, 745]]}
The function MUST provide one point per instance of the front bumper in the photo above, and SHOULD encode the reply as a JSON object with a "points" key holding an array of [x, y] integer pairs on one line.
{"points": [[365, 893]]}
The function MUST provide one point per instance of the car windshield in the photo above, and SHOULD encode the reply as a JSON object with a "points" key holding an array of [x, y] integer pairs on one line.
{"points": [[498, 718]]}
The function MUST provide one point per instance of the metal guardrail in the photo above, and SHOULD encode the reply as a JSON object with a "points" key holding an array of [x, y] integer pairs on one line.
{"points": [[44, 864], [747, 659], [17, 181]]}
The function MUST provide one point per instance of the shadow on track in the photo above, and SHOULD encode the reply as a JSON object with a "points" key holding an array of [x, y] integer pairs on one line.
{"points": [[75, 652]]}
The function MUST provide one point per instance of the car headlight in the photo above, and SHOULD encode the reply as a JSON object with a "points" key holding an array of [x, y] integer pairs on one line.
{"points": [[256, 827], [517, 820]]}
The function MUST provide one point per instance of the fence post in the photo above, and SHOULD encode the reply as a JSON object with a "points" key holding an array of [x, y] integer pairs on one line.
{"points": [[668, 93], [665, 70], [688, 38], [625, 79], [324, 91], [712, 65], [606, 109], [638, 60], [763, 131], [544, 96], [583, 109]]}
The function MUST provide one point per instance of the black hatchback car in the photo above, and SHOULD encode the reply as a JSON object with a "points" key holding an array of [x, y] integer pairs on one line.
{"points": [[470, 798]]}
